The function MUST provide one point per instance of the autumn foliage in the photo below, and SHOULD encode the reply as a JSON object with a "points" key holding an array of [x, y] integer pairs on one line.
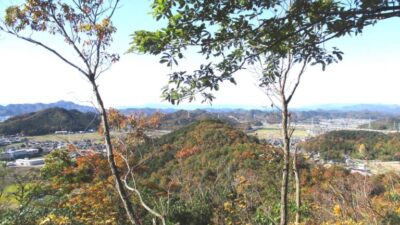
{"points": [[207, 173]]}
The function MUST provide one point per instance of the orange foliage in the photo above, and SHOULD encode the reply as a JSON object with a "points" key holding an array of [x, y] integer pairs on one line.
{"points": [[116, 120], [248, 154], [186, 152], [92, 204], [71, 148]]}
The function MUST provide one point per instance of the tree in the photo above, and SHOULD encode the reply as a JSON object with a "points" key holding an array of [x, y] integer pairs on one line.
{"points": [[232, 35], [87, 29], [18, 203], [280, 75], [83, 189], [127, 150], [235, 33], [296, 173]]}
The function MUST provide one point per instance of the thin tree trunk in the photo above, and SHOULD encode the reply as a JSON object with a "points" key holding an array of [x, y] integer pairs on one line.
{"points": [[286, 160], [297, 186], [133, 219]]}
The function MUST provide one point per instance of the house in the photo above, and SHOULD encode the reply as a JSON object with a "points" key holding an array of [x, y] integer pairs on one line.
{"points": [[29, 162]]}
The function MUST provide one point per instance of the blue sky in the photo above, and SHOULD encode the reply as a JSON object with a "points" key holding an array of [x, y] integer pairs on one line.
{"points": [[369, 72]]}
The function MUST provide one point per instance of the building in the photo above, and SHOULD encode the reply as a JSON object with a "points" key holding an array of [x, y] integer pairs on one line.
{"points": [[11, 153], [29, 162]]}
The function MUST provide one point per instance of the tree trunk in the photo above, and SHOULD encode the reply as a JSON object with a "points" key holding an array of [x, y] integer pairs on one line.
{"points": [[286, 160], [297, 184], [133, 219]]}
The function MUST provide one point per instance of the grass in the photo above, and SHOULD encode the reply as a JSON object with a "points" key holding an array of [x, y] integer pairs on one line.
{"points": [[273, 132], [66, 137]]}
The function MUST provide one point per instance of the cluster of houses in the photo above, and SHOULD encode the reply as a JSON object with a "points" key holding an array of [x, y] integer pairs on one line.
{"points": [[71, 132], [278, 142], [357, 167], [31, 152], [12, 139], [13, 153], [354, 166]]}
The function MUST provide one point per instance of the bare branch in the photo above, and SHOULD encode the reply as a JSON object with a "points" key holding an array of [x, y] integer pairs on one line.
{"points": [[299, 75], [72, 42], [136, 191]]}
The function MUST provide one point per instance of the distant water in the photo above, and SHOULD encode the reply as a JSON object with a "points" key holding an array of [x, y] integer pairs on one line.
{"points": [[2, 118]]}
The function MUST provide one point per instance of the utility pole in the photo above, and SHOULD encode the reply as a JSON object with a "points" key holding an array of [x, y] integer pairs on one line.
{"points": [[369, 124]]}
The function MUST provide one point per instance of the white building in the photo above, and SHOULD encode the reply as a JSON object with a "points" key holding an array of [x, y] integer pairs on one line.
{"points": [[29, 162]]}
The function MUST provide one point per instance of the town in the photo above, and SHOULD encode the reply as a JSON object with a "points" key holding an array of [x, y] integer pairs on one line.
{"points": [[24, 152]]}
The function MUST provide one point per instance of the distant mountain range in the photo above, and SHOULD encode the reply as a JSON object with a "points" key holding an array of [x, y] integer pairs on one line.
{"points": [[50, 120], [19, 109], [364, 110], [383, 108], [34, 119]]}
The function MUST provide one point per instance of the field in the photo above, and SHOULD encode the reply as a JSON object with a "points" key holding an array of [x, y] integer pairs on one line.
{"points": [[379, 167], [275, 132], [66, 137]]}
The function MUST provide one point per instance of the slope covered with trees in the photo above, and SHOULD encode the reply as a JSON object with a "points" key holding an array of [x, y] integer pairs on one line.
{"points": [[48, 121], [205, 173], [206, 168], [357, 144]]}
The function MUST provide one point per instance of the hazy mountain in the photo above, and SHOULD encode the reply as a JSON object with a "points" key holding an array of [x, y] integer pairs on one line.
{"points": [[360, 111], [49, 120], [383, 108], [19, 109], [147, 111]]}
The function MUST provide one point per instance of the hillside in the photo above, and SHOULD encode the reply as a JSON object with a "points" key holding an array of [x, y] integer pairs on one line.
{"points": [[20, 109], [212, 173], [206, 166], [183, 118], [335, 145], [49, 120], [207, 173]]}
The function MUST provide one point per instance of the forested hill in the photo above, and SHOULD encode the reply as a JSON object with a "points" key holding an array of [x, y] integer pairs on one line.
{"points": [[357, 144], [209, 165], [205, 173], [201, 137], [48, 121], [183, 118], [212, 173]]}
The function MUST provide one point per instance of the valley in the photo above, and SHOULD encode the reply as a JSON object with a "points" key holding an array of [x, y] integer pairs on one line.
{"points": [[226, 166]]}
